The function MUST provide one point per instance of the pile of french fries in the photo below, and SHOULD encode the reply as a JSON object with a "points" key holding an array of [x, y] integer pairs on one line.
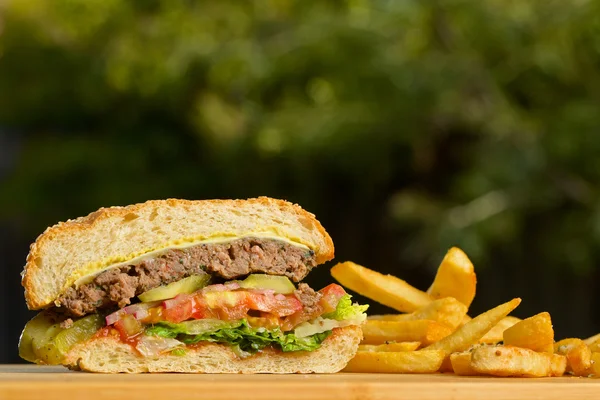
{"points": [[434, 332]]}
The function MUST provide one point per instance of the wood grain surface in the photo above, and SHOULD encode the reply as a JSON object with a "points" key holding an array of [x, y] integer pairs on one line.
{"points": [[50, 383]]}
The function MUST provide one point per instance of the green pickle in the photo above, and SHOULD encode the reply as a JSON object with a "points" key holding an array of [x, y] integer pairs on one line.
{"points": [[279, 284], [82, 330], [35, 329], [186, 285], [44, 341], [44, 348]]}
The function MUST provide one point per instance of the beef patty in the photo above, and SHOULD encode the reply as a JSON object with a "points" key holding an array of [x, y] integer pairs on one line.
{"points": [[117, 286]]}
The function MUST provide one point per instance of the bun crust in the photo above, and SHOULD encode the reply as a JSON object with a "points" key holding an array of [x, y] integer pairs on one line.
{"points": [[109, 355], [72, 249]]}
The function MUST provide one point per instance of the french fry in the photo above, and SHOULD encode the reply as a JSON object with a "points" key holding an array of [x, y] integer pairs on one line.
{"points": [[579, 356], [446, 365], [534, 333], [385, 289], [472, 331], [461, 364], [595, 346], [466, 319], [455, 278], [447, 311], [592, 339], [594, 370], [495, 335], [423, 331], [402, 346], [404, 362], [516, 361]]}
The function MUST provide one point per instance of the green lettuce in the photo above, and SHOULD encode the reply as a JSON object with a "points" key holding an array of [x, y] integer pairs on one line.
{"points": [[345, 310], [242, 337]]}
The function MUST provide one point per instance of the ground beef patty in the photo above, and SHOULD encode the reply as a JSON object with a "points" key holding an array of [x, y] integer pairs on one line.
{"points": [[229, 260], [308, 297]]}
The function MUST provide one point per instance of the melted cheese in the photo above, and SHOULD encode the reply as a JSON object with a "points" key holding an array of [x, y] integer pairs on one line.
{"points": [[86, 275]]}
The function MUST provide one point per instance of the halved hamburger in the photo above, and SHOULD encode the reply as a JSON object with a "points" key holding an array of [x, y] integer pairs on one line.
{"points": [[188, 286]]}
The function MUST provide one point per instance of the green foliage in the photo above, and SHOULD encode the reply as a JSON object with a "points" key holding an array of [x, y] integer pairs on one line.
{"points": [[417, 123], [345, 310], [243, 337]]}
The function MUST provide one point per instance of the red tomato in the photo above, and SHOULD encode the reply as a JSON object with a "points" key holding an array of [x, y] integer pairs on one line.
{"points": [[260, 302], [279, 305], [202, 311], [128, 327], [235, 304], [288, 306], [178, 309], [233, 313], [331, 297]]}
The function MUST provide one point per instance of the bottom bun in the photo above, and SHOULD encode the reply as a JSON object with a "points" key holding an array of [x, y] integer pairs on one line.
{"points": [[108, 354]]}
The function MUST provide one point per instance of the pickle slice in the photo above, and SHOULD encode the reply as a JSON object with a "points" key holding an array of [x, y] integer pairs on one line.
{"points": [[34, 329], [80, 331], [44, 347], [279, 284], [43, 341], [186, 285]]}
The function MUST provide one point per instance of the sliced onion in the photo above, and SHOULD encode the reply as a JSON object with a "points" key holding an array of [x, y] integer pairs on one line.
{"points": [[267, 292], [170, 303], [141, 314], [219, 287], [114, 317], [232, 285], [140, 306], [152, 346], [139, 311], [222, 287]]}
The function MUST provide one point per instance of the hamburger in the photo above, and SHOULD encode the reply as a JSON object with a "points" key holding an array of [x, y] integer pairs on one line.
{"points": [[210, 286]]}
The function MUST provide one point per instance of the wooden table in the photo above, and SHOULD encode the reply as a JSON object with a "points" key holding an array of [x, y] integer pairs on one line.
{"points": [[56, 383]]}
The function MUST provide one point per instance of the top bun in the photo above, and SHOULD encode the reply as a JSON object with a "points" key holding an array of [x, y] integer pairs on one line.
{"points": [[70, 250]]}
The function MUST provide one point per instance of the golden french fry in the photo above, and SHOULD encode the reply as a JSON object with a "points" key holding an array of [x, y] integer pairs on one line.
{"points": [[516, 361], [534, 333], [455, 278], [594, 346], [558, 365], [447, 311], [472, 331], [592, 339], [579, 356], [423, 331], [446, 365], [466, 319], [495, 335], [594, 370], [404, 362], [385, 289], [402, 346], [461, 364]]}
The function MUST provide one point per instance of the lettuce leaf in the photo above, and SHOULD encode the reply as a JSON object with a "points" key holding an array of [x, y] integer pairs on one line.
{"points": [[346, 310], [241, 336]]}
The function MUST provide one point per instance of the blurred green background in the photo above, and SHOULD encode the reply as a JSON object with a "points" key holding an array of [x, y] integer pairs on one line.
{"points": [[405, 126]]}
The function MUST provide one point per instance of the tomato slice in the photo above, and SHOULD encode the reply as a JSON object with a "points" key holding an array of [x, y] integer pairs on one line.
{"points": [[331, 297], [278, 305], [128, 327], [235, 304], [179, 309], [287, 306], [233, 313]]}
